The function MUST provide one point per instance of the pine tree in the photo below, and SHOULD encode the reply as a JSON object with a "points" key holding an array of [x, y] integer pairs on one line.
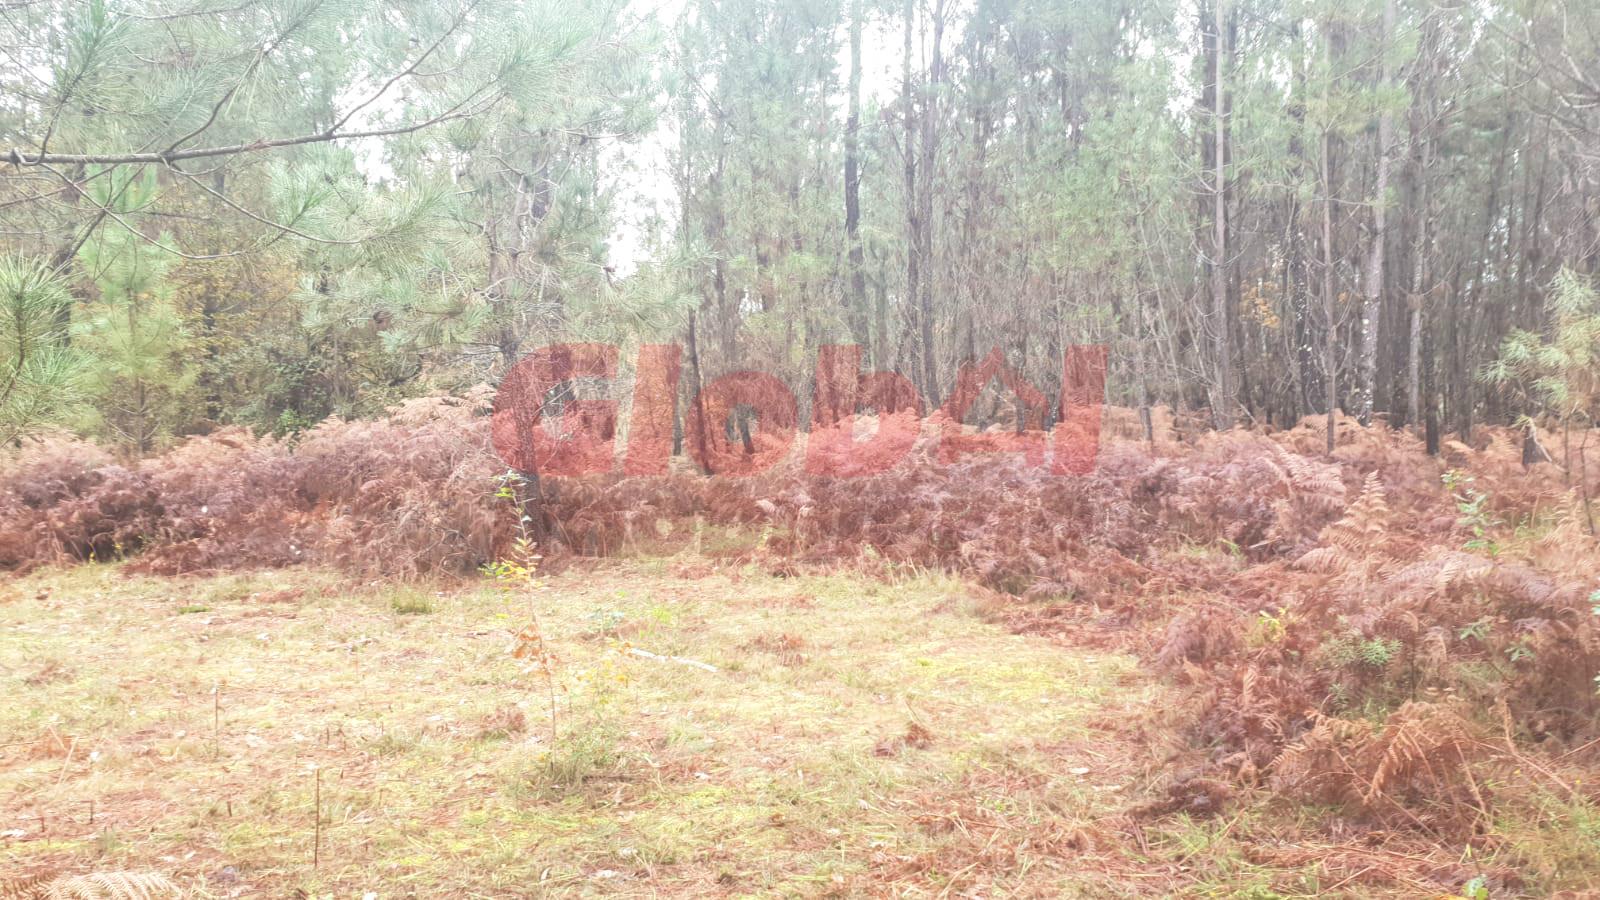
{"points": [[38, 370], [133, 338], [1561, 372]]}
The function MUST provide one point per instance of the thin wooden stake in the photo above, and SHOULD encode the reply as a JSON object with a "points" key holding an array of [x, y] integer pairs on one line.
{"points": [[66, 762], [316, 840]]}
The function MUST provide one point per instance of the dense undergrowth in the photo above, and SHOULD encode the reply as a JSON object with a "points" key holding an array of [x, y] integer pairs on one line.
{"points": [[1377, 630]]}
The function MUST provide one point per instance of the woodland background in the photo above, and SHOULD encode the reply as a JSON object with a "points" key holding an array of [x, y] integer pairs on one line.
{"points": [[271, 212]]}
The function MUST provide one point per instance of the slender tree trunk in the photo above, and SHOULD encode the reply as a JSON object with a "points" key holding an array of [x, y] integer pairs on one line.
{"points": [[1446, 384], [1414, 361], [726, 311], [1296, 264], [930, 154], [697, 384], [1141, 338], [856, 299], [1330, 360], [1423, 116], [1418, 295], [880, 312], [1533, 250], [913, 227], [1221, 331], [1372, 304]]}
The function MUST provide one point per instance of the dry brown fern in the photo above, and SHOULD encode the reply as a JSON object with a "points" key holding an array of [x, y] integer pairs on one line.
{"points": [[27, 887], [113, 886], [1364, 526], [1433, 655], [1360, 534], [1423, 754], [96, 886], [1422, 744], [1311, 477], [1318, 765], [1324, 560], [1197, 636]]}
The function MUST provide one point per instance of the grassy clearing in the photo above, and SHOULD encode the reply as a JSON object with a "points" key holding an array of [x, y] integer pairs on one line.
{"points": [[855, 738], [847, 720]]}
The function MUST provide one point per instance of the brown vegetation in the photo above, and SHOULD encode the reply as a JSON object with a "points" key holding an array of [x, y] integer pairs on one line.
{"points": [[1336, 620]]}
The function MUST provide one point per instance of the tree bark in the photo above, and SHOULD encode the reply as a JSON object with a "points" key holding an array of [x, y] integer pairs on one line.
{"points": [[1221, 332], [913, 228], [1330, 362], [856, 299], [930, 153], [1372, 303], [1418, 294]]}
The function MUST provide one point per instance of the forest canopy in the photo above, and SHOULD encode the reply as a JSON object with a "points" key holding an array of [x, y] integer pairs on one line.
{"points": [[272, 211]]}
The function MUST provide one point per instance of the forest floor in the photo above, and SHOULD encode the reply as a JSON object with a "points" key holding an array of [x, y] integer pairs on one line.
{"points": [[829, 735]]}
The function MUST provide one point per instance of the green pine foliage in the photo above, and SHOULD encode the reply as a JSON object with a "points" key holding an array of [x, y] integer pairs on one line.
{"points": [[139, 360], [1560, 369], [39, 372]]}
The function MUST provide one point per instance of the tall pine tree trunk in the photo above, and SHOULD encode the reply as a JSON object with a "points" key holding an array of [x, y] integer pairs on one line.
{"points": [[913, 229], [1372, 302], [1419, 291], [930, 153], [1222, 334], [1330, 360], [856, 299]]}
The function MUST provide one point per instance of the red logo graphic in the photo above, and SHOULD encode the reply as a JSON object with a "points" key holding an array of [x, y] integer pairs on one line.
{"points": [[744, 423]]}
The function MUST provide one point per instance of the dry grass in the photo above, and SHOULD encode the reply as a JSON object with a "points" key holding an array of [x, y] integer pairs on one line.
{"points": [[856, 738], [760, 777]]}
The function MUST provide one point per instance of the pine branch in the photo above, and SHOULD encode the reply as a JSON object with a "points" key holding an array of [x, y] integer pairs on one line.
{"points": [[18, 158]]}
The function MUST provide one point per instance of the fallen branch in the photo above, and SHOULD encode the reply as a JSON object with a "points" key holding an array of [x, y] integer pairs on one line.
{"points": [[682, 661]]}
